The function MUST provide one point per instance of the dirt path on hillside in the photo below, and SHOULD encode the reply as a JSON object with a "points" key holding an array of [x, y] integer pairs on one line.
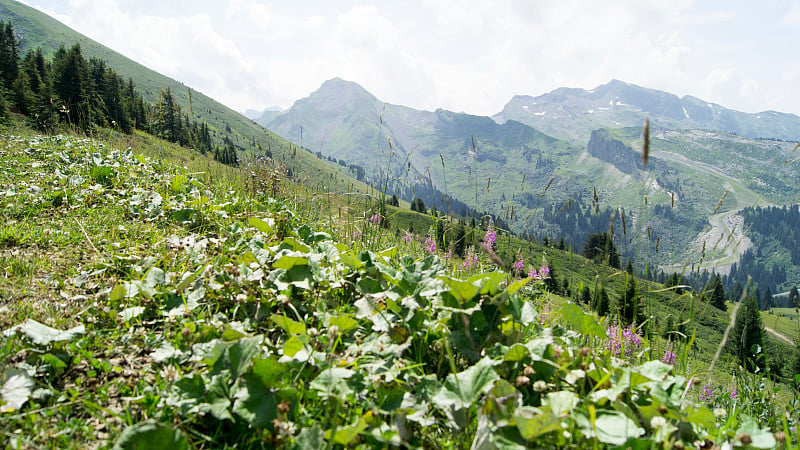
{"points": [[778, 335]]}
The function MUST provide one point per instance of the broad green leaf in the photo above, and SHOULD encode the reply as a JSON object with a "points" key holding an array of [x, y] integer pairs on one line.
{"points": [[701, 415], [260, 225], [346, 435], [118, 293], [268, 370], [462, 291], [561, 402], [345, 323], [760, 438], [299, 276], [463, 389], [155, 277], [333, 381], [287, 262], [234, 356], [517, 352], [532, 422], [310, 438], [517, 285], [151, 434], [581, 322], [131, 313], [610, 427], [255, 402], [178, 182], [41, 334], [294, 344], [16, 390], [288, 325], [490, 282], [655, 370]]}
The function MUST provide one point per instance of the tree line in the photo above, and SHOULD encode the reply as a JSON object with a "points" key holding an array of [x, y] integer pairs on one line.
{"points": [[70, 90]]}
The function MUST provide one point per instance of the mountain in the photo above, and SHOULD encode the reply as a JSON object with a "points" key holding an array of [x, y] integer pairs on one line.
{"points": [[35, 29], [572, 114], [684, 206]]}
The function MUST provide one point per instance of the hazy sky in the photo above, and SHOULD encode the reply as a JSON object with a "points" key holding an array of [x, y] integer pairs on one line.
{"points": [[465, 55]]}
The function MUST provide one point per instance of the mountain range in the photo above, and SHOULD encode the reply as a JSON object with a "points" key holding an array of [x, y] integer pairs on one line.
{"points": [[571, 148]]}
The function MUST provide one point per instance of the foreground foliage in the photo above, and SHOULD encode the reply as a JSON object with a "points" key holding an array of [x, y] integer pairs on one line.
{"points": [[145, 306]]}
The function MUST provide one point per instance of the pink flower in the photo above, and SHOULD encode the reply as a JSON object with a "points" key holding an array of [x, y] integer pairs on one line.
{"points": [[669, 357], [470, 261], [448, 254], [430, 245], [376, 219], [533, 274], [544, 272], [489, 238], [407, 238], [519, 265]]}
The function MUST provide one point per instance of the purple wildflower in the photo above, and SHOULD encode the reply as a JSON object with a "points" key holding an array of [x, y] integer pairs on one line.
{"points": [[669, 357], [707, 395], [470, 261], [448, 254], [489, 238], [430, 245], [733, 393], [544, 315], [628, 339], [544, 272], [407, 238], [519, 265], [376, 219], [533, 274]]}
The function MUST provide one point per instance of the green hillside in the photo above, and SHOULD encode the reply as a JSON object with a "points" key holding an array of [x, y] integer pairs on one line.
{"points": [[145, 303], [35, 29]]}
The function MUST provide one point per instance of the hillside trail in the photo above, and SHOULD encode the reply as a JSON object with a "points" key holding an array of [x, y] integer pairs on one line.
{"points": [[778, 335]]}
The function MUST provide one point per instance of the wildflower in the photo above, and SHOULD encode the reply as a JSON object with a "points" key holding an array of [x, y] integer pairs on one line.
{"points": [[544, 272], [720, 413], [669, 357], [356, 235], [657, 422], [430, 245], [540, 386], [544, 315], [470, 261], [522, 380], [519, 265], [533, 274], [407, 237], [707, 395], [489, 238], [376, 219], [628, 339], [733, 393], [448, 254]]}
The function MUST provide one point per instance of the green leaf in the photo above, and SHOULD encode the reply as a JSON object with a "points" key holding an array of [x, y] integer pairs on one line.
{"points": [[16, 390], [260, 225], [287, 262], [254, 402], [462, 291], [517, 352], [533, 423], [610, 427], [41, 334], [463, 389], [310, 438], [346, 435], [294, 344], [760, 438], [655, 370], [118, 293], [582, 322], [234, 356], [268, 370], [333, 381], [561, 402], [288, 325], [517, 285], [151, 434], [155, 277], [131, 313], [345, 323]]}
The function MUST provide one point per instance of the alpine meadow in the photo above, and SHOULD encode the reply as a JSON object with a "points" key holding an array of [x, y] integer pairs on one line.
{"points": [[605, 268]]}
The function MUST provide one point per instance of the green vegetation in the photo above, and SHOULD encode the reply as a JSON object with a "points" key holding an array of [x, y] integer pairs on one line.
{"points": [[213, 311]]}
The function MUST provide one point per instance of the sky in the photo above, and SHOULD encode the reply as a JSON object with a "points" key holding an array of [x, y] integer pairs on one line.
{"points": [[461, 55]]}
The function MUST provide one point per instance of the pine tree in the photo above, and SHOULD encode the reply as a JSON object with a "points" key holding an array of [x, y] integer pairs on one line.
{"points": [[601, 301], [586, 295], [766, 301], [747, 336], [629, 309], [794, 298], [717, 295]]}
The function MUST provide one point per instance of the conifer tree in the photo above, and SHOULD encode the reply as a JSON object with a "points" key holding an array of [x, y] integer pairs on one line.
{"points": [[629, 308], [602, 304], [747, 337], [717, 295]]}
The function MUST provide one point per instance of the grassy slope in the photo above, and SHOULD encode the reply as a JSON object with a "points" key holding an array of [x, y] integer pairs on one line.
{"points": [[35, 29], [67, 244]]}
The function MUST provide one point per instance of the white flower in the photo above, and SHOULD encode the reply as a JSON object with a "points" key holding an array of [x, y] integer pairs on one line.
{"points": [[540, 386], [657, 422], [720, 413]]}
